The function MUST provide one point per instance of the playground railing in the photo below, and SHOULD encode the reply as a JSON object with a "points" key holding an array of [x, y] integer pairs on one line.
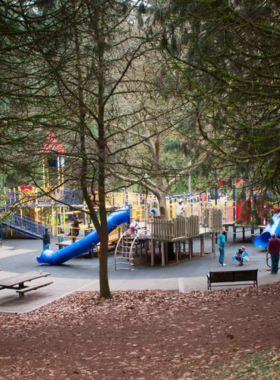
{"points": [[26, 224], [12, 197], [215, 220], [166, 230], [26, 218]]}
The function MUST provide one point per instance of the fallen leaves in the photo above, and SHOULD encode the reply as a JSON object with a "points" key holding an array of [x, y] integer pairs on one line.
{"points": [[230, 336], [145, 335]]}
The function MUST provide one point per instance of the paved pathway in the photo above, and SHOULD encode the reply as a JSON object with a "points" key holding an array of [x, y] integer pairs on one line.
{"points": [[19, 256]]}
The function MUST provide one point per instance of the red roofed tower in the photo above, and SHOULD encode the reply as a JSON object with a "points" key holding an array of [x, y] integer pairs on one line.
{"points": [[52, 150], [52, 145]]}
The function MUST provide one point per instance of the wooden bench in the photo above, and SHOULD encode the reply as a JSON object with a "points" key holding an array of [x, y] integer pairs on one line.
{"points": [[35, 287], [240, 276]]}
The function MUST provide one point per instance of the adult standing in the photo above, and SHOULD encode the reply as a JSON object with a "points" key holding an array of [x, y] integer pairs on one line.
{"points": [[180, 208], [46, 239], [221, 245], [274, 249], [76, 226]]}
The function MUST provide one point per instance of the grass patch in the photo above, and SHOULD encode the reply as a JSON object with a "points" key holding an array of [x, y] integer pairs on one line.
{"points": [[260, 366]]}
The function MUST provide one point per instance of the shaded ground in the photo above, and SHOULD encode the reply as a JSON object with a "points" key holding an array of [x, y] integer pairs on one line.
{"points": [[147, 335]]}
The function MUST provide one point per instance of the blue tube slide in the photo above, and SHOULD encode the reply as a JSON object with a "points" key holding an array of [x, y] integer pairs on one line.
{"points": [[272, 228], [116, 218]]}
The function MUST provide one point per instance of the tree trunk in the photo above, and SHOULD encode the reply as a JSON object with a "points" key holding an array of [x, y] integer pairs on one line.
{"points": [[162, 207], [102, 145], [103, 268], [102, 227]]}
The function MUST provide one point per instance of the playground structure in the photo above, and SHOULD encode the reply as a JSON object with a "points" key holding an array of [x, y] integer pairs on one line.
{"points": [[38, 208], [33, 207], [165, 238], [271, 228], [141, 208], [115, 219], [37, 211]]}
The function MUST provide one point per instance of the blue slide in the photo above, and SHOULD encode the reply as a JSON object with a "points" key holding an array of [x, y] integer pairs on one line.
{"points": [[272, 228], [118, 217]]}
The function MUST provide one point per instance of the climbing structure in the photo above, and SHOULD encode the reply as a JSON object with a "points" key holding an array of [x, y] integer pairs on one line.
{"points": [[125, 250]]}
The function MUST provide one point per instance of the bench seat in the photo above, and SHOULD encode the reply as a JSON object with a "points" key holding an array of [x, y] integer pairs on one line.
{"points": [[35, 287], [240, 276]]}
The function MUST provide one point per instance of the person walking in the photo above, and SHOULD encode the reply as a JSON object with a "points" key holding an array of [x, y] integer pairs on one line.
{"points": [[221, 245], [274, 249], [46, 239]]}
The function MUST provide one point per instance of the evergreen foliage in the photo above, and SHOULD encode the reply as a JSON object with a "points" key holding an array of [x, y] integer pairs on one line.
{"points": [[231, 67]]}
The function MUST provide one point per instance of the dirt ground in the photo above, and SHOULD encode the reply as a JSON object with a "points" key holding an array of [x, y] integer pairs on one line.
{"points": [[143, 335]]}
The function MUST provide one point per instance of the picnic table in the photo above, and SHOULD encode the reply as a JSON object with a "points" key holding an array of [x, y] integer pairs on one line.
{"points": [[17, 282], [64, 244]]}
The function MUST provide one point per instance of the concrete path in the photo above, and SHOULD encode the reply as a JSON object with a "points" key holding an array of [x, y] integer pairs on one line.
{"points": [[19, 256]]}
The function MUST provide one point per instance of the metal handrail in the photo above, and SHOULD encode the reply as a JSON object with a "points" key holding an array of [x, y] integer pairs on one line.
{"points": [[26, 224], [28, 219], [69, 196]]}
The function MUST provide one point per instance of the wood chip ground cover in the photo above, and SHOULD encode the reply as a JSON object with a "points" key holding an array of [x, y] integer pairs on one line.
{"points": [[224, 334]]}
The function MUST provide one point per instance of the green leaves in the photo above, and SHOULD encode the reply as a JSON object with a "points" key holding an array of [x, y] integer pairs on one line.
{"points": [[229, 58]]}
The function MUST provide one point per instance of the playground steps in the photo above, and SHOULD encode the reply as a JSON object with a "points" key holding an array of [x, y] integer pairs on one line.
{"points": [[124, 252], [25, 226]]}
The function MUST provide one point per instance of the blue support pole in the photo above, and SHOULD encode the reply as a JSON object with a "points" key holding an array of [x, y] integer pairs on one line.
{"points": [[234, 208], [252, 218]]}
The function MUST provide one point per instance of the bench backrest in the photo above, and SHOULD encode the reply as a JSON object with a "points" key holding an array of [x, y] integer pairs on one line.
{"points": [[234, 276]]}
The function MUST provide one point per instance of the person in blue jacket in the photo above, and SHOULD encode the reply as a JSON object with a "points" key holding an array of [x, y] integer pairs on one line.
{"points": [[241, 255], [221, 245], [61, 237]]}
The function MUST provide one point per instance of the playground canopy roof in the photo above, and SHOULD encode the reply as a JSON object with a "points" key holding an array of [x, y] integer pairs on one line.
{"points": [[52, 145]]}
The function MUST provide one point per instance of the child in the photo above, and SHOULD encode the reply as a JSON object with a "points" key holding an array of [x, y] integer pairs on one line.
{"points": [[241, 255], [61, 237], [46, 239], [134, 226]]}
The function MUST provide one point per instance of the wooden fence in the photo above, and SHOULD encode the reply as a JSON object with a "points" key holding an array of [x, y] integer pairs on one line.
{"points": [[184, 228], [215, 220], [180, 228]]}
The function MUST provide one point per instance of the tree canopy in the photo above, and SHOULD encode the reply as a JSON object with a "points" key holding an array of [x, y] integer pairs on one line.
{"points": [[227, 53]]}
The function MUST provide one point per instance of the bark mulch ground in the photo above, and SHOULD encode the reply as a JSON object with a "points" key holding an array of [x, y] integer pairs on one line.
{"points": [[224, 334]]}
